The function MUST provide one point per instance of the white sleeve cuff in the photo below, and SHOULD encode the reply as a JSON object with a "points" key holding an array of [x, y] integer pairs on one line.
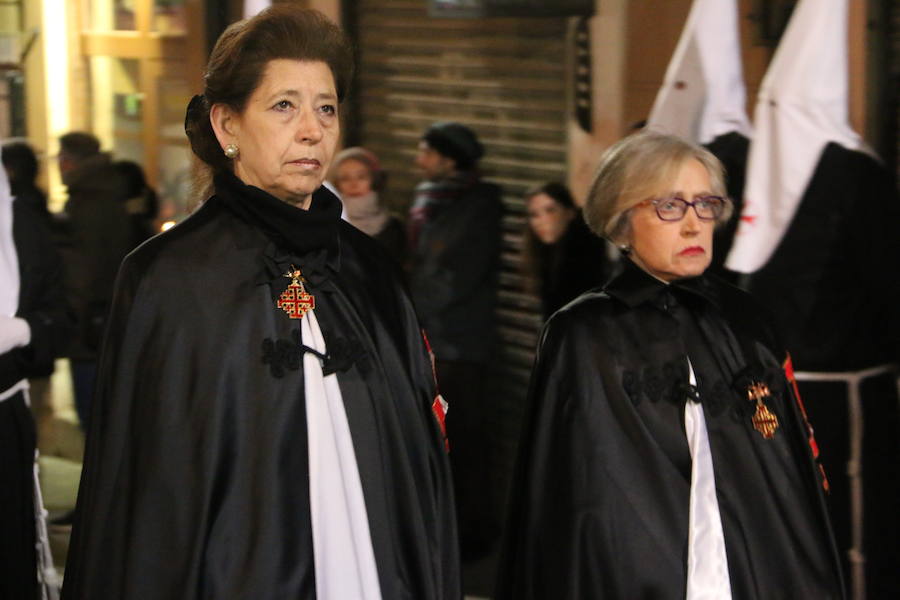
{"points": [[18, 333]]}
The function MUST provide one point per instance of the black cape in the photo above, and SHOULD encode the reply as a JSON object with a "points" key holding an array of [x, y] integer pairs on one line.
{"points": [[601, 495], [195, 482]]}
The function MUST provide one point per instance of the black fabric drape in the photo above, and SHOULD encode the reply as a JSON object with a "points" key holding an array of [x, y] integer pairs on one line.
{"points": [[832, 287], [196, 476], [18, 559]]}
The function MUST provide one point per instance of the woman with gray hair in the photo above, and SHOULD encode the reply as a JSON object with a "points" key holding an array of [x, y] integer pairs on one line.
{"points": [[665, 452]]}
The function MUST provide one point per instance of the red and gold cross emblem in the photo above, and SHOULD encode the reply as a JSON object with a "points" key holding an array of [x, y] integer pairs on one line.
{"points": [[764, 420], [295, 300]]}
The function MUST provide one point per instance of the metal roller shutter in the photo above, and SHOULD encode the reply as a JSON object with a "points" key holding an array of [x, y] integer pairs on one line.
{"points": [[505, 78]]}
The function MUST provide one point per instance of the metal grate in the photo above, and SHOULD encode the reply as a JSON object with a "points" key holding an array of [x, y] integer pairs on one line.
{"points": [[505, 78]]}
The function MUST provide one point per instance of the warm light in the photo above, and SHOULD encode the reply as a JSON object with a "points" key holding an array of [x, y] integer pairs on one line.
{"points": [[56, 66], [167, 226]]}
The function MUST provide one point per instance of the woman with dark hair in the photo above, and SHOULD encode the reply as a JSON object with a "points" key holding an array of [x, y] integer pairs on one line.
{"points": [[266, 423], [21, 166], [562, 257], [665, 454], [141, 203]]}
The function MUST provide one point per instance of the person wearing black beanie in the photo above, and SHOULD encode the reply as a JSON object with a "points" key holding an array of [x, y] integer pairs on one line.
{"points": [[455, 233]]}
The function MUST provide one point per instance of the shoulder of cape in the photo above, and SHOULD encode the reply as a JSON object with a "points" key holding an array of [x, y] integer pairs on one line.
{"points": [[199, 240], [591, 306], [371, 258], [742, 311]]}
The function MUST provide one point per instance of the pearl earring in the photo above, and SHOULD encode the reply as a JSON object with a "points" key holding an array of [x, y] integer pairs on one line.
{"points": [[231, 151]]}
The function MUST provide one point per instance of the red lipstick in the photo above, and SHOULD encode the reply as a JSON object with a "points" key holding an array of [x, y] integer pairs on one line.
{"points": [[692, 251]]}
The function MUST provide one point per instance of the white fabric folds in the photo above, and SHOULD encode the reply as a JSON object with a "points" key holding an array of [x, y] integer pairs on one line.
{"points": [[9, 269], [253, 7], [707, 577], [342, 545], [702, 96], [9, 259]]}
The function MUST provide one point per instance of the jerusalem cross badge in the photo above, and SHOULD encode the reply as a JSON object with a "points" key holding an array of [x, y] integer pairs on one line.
{"points": [[295, 300]]}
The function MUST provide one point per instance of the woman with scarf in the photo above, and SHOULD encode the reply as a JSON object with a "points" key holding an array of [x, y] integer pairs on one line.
{"points": [[665, 454], [360, 180], [35, 323], [266, 423]]}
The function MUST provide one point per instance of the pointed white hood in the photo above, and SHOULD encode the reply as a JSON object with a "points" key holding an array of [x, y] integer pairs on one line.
{"points": [[703, 93], [802, 106]]}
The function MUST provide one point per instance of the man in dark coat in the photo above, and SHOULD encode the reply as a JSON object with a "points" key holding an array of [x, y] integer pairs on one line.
{"points": [[97, 237], [455, 257]]}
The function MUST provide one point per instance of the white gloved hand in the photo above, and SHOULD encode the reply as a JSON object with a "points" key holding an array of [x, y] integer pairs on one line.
{"points": [[14, 333]]}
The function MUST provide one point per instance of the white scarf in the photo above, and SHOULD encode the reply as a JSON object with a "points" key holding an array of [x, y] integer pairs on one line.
{"points": [[342, 545], [707, 577], [366, 213], [9, 260]]}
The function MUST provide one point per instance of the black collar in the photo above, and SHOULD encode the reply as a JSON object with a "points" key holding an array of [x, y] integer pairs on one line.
{"points": [[311, 236], [633, 286]]}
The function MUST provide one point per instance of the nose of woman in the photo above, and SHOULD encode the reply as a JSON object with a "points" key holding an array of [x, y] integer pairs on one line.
{"points": [[309, 129], [690, 224]]}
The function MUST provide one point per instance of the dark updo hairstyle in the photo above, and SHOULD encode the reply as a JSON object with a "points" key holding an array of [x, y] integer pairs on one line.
{"points": [[21, 161], [535, 254], [238, 62]]}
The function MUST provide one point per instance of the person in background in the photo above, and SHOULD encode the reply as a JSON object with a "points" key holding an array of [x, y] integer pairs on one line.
{"points": [[35, 323], [833, 288], [562, 258], [141, 203], [665, 453], [97, 236], [267, 424], [455, 233], [21, 164], [360, 181]]}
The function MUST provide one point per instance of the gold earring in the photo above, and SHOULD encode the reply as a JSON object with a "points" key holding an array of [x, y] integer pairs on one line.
{"points": [[232, 151]]}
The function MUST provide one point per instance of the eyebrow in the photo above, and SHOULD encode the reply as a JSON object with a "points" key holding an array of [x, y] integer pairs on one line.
{"points": [[681, 193], [296, 94]]}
